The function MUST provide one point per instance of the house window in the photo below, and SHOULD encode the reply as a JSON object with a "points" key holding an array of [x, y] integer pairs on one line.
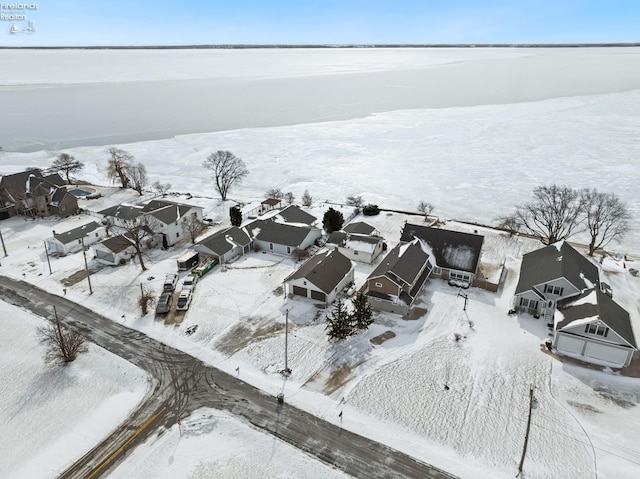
{"points": [[355, 252], [596, 329], [459, 276], [529, 303], [79, 241], [271, 246], [96, 235], [177, 235], [378, 285], [304, 282], [555, 290], [288, 249], [437, 270]]}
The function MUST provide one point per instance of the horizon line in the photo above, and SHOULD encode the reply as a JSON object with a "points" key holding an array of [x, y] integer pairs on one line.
{"points": [[325, 45]]}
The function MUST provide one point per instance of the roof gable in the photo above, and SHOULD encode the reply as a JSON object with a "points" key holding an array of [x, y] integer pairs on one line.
{"points": [[404, 262], [279, 233], [76, 233], [553, 262], [18, 183], [223, 241], [325, 270], [595, 305]]}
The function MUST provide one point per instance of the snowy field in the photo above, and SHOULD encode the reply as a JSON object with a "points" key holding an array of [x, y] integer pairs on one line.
{"points": [[52, 415], [460, 405], [62, 99], [472, 163]]}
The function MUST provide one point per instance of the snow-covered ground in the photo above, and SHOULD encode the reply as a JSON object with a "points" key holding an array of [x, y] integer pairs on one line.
{"points": [[53, 415], [461, 405]]}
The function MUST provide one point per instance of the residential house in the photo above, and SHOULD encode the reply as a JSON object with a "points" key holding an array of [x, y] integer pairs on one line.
{"points": [[563, 286], [123, 216], [281, 238], [33, 194], [456, 254], [72, 240], [168, 218], [361, 228], [115, 250], [322, 277], [398, 279], [295, 214], [225, 245], [357, 247]]}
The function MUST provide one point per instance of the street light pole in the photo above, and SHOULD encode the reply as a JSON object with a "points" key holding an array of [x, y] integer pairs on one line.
{"points": [[286, 371]]}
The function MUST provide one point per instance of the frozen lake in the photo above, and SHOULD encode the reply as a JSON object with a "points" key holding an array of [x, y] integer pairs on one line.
{"points": [[65, 98]]}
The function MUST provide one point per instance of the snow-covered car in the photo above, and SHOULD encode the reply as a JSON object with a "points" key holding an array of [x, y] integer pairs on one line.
{"points": [[170, 282], [164, 303], [184, 300], [189, 282]]}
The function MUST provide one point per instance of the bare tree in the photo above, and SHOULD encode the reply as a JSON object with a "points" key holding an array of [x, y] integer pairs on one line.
{"points": [[509, 223], [289, 197], [67, 164], [62, 345], [607, 217], [146, 299], [356, 201], [119, 162], [552, 215], [192, 226], [425, 208], [274, 193], [137, 175], [161, 188], [227, 170], [139, 232], [307, 199]]}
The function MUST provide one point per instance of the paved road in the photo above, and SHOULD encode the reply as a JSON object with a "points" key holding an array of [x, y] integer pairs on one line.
{"points": [[182, 384]]}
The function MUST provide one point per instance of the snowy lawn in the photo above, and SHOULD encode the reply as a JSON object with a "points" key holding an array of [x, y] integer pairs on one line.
{"points": [[52, 415], [210, 443]]}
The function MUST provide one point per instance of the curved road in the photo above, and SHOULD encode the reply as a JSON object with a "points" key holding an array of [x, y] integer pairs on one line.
{"points": [[182, 384]]}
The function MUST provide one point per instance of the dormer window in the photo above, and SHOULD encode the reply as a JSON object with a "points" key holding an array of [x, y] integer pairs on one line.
{"points": [[597, 329]]}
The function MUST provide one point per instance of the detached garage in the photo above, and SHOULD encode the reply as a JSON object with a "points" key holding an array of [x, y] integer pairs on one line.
{"points": [[594, 328]]}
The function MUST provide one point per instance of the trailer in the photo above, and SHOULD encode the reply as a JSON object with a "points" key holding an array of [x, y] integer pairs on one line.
{"points": [[188, 260], [204, 266]]}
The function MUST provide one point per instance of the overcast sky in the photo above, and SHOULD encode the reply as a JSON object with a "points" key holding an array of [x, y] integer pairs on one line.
{"points": [[160, 22]]}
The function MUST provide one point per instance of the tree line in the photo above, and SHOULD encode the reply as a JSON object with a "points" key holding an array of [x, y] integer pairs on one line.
{"points": [[559, 212]]}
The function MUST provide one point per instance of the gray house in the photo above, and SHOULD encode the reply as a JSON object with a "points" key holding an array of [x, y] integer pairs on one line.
{"points": [[224, 245], [281, 238], [115, 250], [321, 277], [456, 254], [398, 279], [564, 287], [71, 241]]}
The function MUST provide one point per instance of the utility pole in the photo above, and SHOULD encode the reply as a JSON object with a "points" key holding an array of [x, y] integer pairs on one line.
{"points": [[286, 371], [46, 251], [3, 246], [86, 266], [526, 437]]}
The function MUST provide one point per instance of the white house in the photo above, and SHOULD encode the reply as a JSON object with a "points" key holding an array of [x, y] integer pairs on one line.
{"points": [[562, 286], [71, 241], [356, 247], [115, 250], [281, 238], [169, 218], [322, 277]]}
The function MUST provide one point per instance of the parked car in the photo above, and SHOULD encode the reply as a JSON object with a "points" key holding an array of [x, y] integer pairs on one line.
{"points": [[170, 282], [164, 303], [189, 282], [184, 300]]}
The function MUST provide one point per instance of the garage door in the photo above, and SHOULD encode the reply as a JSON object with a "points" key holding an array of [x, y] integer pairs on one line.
{"points": [[319, 295], [104, 255], [571, 345], [300, 291], [604, 352]]}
